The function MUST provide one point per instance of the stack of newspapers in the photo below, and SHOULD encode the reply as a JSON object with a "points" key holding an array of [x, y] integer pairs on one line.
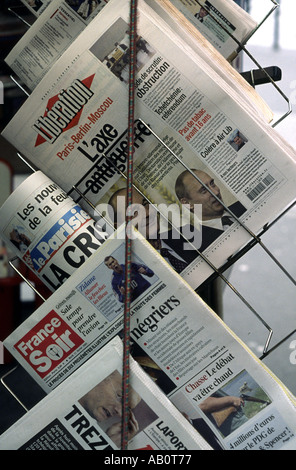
{"points": [[209, 171], [223, 396], [222, 22]]}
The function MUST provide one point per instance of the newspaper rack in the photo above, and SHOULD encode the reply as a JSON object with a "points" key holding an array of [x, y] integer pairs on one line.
{"points": [[217, 273]]}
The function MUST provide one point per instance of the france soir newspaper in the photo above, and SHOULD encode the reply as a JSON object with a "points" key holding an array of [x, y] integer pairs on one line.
{"points": [[204, 369], [76, 417]]}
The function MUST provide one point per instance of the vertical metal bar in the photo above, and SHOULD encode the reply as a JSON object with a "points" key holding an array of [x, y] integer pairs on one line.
{"points": [[128, 237]]}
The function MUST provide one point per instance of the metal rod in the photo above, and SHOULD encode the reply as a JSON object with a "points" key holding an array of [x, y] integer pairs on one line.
{"points": [[276, 5], [270, 224], [9, 389], [277, 345], [128, 240], [26, 162], [19, 85], [25, 279], [91, 205], [19, 17]]}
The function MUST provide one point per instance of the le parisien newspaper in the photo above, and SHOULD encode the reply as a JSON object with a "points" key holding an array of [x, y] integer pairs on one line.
{"points": [[211, 377], [48, 231], [61, 21], [189, 123], [67, 419]]}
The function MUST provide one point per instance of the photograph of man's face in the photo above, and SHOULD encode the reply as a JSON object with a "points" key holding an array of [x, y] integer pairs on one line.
{"points": [[194, 192]]}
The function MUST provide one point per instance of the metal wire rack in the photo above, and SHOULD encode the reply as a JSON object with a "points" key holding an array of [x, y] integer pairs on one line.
{"points": [[217, 273]]}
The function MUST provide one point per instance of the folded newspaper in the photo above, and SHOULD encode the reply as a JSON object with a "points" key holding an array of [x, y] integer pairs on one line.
{"points": [[84, 413], [196, 143], [212, 378], [217, 20], [222, 22], [48, 231], [182, 26], [50, 35], [62, 22]]}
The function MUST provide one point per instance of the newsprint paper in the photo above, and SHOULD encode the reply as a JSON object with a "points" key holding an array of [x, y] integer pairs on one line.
{"points": [[54, 31], [50, 35], [76, 417], [218, 20], [85, 9], [74, 129], [224, 391], [48, 231]]}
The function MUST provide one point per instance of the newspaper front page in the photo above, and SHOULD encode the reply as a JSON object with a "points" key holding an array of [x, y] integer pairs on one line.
{"points": [[48, 231], [224, 391], [51, 34], [84, 413], [74, 128]]}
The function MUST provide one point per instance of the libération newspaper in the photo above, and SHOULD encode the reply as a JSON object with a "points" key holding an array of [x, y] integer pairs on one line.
{"points": [[192, 135], [84, 413], [48, 231], [211, 377]]}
